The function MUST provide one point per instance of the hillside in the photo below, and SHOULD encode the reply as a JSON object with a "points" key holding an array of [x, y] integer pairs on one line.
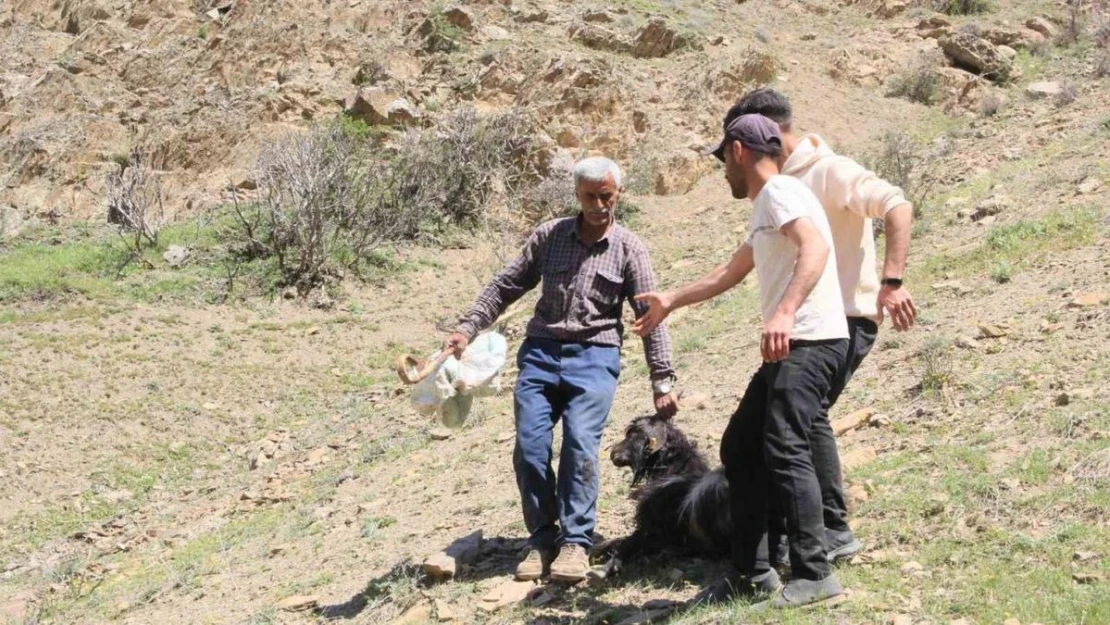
{"points": [[193, 444]]}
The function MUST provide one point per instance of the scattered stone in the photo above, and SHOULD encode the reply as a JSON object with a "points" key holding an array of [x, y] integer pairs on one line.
{"points": [[509, 592], [857, 494], [460, 17], [378, 106], [1089, 300], [656, 39], [857, 458], [852, 421], [444, 613], [176, 255], [313, 331], [989, 207], [1084, 556], [505, 437], [316, 456], [680, 173], [1089, 185], [496, 33], [1042, 26], [966, 342], [1044, 89], [597, 16], [542, 599], [440, 434], [1011, 483], [1086, 578], [298, 603], [446, 563], [598, 38], [911, 567], [416, 615], [1022, 38], [808, 36], [277, 550], [977, 55], [992, 331]]}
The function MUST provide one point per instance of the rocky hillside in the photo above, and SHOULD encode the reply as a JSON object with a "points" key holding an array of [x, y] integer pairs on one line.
{"points": [[176, 450]]}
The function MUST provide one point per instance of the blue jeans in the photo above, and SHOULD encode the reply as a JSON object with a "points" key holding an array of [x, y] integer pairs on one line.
{"points": [[575, 382]]}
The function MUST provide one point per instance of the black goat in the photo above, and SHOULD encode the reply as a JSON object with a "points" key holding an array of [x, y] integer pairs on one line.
{"points": [[681, 504]]}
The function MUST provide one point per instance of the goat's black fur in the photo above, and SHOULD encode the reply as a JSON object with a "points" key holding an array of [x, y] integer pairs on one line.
{"points": [[680, 503]]}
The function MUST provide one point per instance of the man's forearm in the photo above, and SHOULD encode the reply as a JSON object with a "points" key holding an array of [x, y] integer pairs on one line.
{"points": [[721, 279], [897, 228]]}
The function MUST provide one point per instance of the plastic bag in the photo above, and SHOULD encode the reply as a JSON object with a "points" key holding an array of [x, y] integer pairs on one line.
{"points": [[449, 392]]}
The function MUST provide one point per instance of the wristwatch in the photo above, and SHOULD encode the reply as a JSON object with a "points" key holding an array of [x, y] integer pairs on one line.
{"points": [[662, 387], [894, 282]]}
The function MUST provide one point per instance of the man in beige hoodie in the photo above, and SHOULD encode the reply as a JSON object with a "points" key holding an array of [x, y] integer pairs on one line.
{"points": [[852, 197]]}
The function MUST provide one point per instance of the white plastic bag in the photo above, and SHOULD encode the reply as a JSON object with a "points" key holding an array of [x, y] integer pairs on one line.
{"points": [[449, 392]]}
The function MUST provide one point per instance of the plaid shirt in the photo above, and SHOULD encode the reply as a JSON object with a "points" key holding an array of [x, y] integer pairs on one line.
{"points": [[583, 286]]}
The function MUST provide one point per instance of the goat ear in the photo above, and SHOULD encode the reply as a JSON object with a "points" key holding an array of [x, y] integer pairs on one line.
{"points": [[653, 444]]}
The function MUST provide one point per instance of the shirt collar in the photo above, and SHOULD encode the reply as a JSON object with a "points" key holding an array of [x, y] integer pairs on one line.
{"points": [[605, 237]]}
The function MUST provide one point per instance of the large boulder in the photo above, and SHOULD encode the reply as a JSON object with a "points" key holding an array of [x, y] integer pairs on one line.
{"points": [[680, 172], [598, 37], [1042, 26], [657, 39], [1018, 38], [977, 55], [380, 107]]}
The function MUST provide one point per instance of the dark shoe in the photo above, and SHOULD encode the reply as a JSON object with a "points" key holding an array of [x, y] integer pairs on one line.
{"points": [[841, 546], [738, 587], [799, 593]]}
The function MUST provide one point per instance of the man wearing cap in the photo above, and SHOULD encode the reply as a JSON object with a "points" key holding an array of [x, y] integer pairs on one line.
{"points": [[852, 197], [570, 361], [765, 448]]}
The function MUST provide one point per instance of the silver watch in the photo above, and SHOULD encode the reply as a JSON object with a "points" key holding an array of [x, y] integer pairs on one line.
{"points": [[662, 387]]}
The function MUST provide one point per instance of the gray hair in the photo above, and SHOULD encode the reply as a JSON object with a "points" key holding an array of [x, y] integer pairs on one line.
{"points": [[596, 169]]}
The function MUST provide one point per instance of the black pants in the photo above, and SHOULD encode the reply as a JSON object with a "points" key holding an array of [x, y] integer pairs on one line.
{"points": [[767, 454], [826, 459]]}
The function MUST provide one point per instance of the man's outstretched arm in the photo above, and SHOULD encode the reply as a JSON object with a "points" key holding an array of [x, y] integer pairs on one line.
{"points": [[712, 284]]}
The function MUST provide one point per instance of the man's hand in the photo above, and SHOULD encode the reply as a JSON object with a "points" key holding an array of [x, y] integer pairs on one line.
{"points": [[456, 341], [666, 404], [775, 344], [659, 306], [898, 302]]}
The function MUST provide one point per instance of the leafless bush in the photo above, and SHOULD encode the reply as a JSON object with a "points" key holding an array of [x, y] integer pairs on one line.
{"points": [[905, 163], [919, 81], [1073, 24], [135, 203], [1093, 468], [1068, 94], [329, 197], [992, 104], [1102, 64], [320, 206]]}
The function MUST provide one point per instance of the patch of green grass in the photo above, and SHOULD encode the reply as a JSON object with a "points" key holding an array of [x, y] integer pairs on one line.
{"points": [[372, 527], [1002, 272], [935, 361], [1020, 244]]}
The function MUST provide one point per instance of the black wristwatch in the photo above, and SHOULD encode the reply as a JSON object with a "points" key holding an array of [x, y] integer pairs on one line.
{"points": [[894, 282]]}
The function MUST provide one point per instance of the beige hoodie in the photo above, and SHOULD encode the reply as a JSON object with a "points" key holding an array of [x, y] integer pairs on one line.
{"points": [[852, 196]]}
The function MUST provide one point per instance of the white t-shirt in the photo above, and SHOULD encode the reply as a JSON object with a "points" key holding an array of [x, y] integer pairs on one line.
{"points": [[782, 200]]}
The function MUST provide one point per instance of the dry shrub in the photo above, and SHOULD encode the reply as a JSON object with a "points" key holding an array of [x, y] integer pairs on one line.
{"points": [[135, 202], [1068, 94], [919, 81], [935, 359], [902, 161], [964, 7], [1093, 468], [330, 196], [992, 104]]}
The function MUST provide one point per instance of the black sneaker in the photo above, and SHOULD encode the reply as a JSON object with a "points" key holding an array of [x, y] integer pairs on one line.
{"points": [[799, 593], [841, 546], [738, 587]]}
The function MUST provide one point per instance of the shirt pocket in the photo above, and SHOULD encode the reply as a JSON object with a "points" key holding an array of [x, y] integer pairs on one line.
{"points": [[608, 287]]}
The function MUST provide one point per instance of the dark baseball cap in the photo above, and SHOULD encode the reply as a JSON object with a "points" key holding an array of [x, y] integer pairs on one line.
{"points": [[754, 132]]}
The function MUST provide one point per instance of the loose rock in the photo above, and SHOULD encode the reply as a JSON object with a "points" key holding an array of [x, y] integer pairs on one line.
{"points": [[298, 603]]}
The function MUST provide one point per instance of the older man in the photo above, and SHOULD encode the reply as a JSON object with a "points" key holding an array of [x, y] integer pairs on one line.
{"points": [[570, 361]]}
